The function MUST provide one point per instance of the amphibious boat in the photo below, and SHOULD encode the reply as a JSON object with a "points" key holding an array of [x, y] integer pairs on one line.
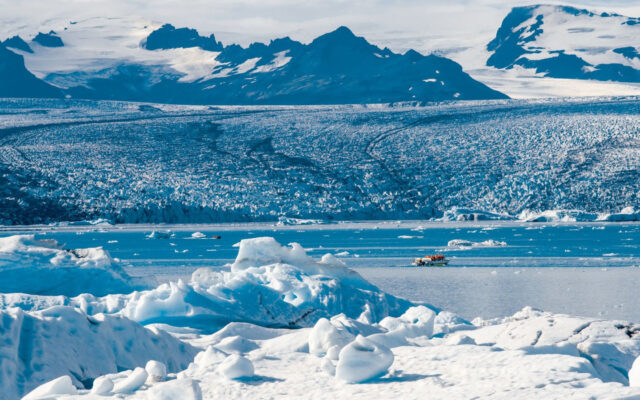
{"points": [[431, 260]]}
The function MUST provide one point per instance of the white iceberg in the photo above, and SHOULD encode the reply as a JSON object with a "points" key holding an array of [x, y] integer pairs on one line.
{"points": [[268, 284], [465, 214], [557, 216], [39, 346], [29, 265], [627, 214], [466, 244]]}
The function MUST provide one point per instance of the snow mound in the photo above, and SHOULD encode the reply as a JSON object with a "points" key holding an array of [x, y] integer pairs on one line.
{"points": [[461, 243], [327, 339], [611, 346], [102, 385], [634, 373], [132, 382], [51, 389], [362, 360], [236, 367], [43, 345], [157, 371], [44, 267]]}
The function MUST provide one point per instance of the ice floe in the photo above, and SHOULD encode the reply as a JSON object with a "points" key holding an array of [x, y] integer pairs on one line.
{"points": [[466, 244]]}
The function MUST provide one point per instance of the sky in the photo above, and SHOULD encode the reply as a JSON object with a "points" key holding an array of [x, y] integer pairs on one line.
{"points": [[457, 29], [425, 25]]}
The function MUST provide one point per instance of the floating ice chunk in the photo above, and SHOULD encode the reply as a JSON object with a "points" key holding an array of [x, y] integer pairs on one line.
{"points": [[464, 214], [51, 389], [43, 266], [198, 235], [410, 237], [286, 221], [625, 215], [362, 360], [325, 336], [157, 371], [236, 367], [557, 216], [634, 373], [160, 235], [133, 382], [102, 385], [461, 243]]}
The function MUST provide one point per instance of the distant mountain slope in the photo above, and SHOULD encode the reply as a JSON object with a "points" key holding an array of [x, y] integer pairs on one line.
{"points": [[17, 81], [566, 42], [126, 59]]}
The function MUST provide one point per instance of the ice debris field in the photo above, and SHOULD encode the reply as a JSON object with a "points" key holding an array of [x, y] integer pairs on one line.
{"points": [[266, 319]]}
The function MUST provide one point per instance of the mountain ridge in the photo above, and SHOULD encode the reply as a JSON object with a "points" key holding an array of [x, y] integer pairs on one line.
{"points": [[178, 65], [568, 42]]}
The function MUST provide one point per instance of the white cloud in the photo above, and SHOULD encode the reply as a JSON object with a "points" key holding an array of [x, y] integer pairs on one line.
{"points": [[424, 24]]}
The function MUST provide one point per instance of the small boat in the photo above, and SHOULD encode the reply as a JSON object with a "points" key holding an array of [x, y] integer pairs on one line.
{"points": [[431, 260]]}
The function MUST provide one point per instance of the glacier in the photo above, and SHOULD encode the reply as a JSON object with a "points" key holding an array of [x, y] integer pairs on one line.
{"points": [[70, 160]]}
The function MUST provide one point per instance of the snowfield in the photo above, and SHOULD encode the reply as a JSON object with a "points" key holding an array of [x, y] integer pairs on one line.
{"points": [[129, 162], [229, 335]]}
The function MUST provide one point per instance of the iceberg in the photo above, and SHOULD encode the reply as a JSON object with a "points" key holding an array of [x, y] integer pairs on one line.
{"points": [[467, 244], [466, 214], [39, 346], [44, 266], [268, 284]]}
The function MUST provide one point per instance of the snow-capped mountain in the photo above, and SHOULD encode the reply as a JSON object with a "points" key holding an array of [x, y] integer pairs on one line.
{"points": [[17, 81], [130, 59], [566, 42]]}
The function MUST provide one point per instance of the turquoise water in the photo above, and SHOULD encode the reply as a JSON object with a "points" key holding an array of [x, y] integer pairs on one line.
{"points": [[576, 268]]}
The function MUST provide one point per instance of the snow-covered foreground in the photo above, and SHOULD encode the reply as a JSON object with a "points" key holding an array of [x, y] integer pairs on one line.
{"points": [[280, 323]]}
